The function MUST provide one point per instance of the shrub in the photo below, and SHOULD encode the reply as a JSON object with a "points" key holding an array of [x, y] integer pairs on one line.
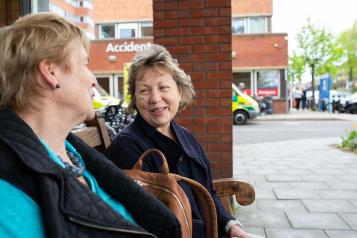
{"points": [[350, 142]]}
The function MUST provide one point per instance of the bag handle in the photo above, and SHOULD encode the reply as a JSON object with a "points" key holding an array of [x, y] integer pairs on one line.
{"points": [[139, 163], [206, 203]]}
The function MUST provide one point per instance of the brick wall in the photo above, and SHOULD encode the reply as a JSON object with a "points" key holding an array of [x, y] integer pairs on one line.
{"points": [[198, 34]]}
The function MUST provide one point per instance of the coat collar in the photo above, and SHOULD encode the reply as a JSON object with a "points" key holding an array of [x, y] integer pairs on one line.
{"points": [[188, 145]]}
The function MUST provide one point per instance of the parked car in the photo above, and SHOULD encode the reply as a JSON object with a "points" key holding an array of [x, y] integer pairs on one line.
{"points": [[350, 105]]}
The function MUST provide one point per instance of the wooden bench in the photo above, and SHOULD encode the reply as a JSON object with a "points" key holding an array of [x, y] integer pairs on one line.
{"points": [[96, 135]]}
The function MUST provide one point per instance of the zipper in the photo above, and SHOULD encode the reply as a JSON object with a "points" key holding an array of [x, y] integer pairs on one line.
{"points": [[173, 195], [106, 228]]}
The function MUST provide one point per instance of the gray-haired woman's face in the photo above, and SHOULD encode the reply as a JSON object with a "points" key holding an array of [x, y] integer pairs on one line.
{"points": [[157, 98]]}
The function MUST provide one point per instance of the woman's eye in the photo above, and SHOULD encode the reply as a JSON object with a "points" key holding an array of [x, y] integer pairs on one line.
{"points": [[164, 87]]}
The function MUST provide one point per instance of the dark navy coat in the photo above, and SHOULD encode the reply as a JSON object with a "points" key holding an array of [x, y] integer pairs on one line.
{"points": [[185, 157]]}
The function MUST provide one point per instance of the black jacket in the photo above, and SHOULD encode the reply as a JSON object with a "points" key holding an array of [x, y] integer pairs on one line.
{"points": [[69, 208], [140, 136]]}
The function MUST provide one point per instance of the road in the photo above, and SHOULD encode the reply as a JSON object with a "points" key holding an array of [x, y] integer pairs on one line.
{"points": [[271, 131]]}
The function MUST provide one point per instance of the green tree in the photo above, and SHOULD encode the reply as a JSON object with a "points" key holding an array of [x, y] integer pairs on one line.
{"points": [[296, 68], [348, 42], [319, 52]]}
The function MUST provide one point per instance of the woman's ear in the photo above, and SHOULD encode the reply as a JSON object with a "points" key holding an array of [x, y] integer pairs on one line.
{"points": [[47, 72]]}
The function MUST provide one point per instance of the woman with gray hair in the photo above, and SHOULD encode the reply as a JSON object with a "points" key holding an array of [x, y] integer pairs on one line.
{"points": [[52, 184], [159, 89]]}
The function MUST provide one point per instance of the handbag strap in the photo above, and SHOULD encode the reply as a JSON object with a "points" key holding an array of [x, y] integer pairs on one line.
{"points": [[139, 163], [206, 203]]}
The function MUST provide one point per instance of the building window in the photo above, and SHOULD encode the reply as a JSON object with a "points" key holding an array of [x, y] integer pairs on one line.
{"points": [[257, 25], [146, 29], [238, 25], [268, 83], [249, 25], [127, 30], [107, 31]]}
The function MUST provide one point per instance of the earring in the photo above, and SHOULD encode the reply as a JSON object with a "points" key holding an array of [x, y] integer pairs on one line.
{"points": [[58, 85]]}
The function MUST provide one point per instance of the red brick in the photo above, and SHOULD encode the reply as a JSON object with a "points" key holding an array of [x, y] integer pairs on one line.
{"points": [[218, 93], [165, 6], [166, 41], [225, 65], [208, 138], [192, 40], [206, 66], [225, 12], [226, 84], [165, 23], [218, 39], [212, 12], [207, 102], [220, 57], [218, 3], [207, 120], [191, 4], [219, 75], [225, 30], [199, 129], [184, 14], [198, 76], [226, 48], [219, 21], [180, 49], [170, 15], [219, 112], [179, 31], [219, 129], [205, 31], [205, 48], [159, 32], [184, 22]]}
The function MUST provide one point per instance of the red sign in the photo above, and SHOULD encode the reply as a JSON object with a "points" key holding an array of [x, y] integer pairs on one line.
{"points": [[267, 92]]}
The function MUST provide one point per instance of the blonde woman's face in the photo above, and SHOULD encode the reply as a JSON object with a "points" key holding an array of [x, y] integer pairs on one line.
{"points": [[157, 98]]}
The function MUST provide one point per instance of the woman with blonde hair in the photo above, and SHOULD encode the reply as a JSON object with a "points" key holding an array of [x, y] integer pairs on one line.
{"points": [[52, 184]]}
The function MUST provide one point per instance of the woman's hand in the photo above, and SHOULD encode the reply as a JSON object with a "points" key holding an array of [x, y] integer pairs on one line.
{"points": [[237, 232]]}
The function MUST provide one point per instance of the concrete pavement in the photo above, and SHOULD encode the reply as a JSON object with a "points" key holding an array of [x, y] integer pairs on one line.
{"points": [[304, 188]]}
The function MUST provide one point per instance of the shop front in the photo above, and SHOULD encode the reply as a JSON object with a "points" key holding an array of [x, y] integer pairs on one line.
{"points": [[108, 58]]}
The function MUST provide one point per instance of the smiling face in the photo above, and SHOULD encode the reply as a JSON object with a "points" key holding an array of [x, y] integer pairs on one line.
{"points": [[157, 98], [77, 83]]}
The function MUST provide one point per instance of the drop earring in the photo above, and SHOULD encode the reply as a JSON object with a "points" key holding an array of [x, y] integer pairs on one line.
{"points": [[58, 85]]}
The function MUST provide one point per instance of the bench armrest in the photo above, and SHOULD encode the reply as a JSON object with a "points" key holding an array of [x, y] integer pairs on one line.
{"points": [[227, 187]]}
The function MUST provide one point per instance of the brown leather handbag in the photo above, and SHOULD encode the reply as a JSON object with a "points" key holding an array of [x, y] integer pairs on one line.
{"points": [[164, 187]]}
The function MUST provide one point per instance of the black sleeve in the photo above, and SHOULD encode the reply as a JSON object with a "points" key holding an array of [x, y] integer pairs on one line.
{"points": [[222, 215], [124, 152]]}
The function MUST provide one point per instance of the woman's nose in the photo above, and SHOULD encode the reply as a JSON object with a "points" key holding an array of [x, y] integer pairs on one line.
{"points": [[155, 96]]}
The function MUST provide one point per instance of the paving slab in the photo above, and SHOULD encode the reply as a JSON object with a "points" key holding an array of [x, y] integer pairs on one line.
{"points": [[341, 234], [262, 193], [337, 194], [294, 233], [271, 185], [307, 220], [351, 178], [280, 205], [282, 193], [329, 206], [255, 230], [318, 178], [354, 202], [264, 219], [283, 178], [309, 185], [342, 185], [351, 219]]}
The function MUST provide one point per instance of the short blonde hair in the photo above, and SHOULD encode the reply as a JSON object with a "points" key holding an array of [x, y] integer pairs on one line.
{"points": [[153, 57], [23, 45]]}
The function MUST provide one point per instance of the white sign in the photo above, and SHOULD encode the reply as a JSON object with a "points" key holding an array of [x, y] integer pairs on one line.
{"points": [[126, 47]]}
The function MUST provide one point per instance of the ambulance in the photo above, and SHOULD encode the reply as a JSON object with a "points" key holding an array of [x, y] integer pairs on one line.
{"points": [[243, 107]]}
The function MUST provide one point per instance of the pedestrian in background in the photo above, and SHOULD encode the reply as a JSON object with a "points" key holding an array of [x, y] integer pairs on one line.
{"points": [[298, 96], [303, 100]]}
